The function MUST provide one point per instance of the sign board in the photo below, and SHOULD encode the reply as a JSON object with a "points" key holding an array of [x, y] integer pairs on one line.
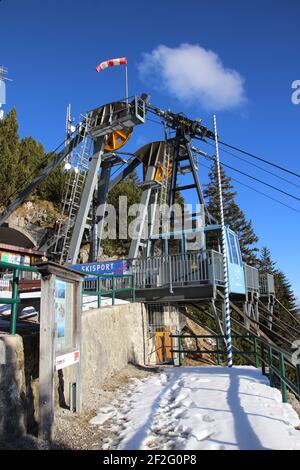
{"points": [[121, 266], [64, 315], [14, 258], [66, 360]]}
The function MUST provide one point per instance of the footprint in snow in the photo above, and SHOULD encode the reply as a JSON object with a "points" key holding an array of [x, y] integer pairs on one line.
{"points": [[180, 414], [201, 435], [207, 419]]}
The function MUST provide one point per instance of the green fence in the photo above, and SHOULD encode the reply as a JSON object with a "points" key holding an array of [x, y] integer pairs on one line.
{"points": [[110, 285], [275, 362], [15, 299]]}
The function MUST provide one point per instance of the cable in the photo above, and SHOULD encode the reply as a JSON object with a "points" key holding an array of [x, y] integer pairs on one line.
{"points": [[261, 159], [259, 192], [256, 179], [257, 166]]}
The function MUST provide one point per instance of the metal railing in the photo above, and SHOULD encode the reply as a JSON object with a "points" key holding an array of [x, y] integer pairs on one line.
{"points": [[274, 361], [14, 300], [109, 285], [179, 270], [266, 284], [251, 278]]}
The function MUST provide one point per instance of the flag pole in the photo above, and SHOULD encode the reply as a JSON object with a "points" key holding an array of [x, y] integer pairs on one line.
{"points": [[225, 253], [126, 83]]}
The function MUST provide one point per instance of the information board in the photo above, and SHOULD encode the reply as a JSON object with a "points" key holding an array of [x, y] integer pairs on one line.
{"points": [[64, 321]]}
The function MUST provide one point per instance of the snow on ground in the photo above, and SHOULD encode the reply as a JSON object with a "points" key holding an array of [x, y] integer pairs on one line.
{"points": [[91, 301], [88, 302], [203, 408]]}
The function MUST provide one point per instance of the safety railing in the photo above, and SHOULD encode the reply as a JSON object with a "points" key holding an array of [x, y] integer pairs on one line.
{"points": [[266, 284], [109, 285], [251, 278], [14, 300], [179, 270], [279, 365]]}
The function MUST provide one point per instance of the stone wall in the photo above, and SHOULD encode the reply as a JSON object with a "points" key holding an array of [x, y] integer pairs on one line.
{"points": [[111, 338], [18, 384], [12, 386]]}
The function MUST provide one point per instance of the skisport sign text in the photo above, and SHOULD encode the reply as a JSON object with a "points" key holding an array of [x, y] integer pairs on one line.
{"points": [[122, 266]]}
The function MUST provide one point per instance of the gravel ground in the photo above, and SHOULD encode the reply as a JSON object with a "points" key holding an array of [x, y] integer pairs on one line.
{"points": [[74, 431]]}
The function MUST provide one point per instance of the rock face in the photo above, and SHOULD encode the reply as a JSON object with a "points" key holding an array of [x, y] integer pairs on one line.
{"points": [[37, 218], [12, 387], [39, 213]]}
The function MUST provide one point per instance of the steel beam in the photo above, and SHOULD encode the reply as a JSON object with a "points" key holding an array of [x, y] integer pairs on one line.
{"points": [[85, 202], [40, 177], [126, 172], [101, 204], [143, 210]]}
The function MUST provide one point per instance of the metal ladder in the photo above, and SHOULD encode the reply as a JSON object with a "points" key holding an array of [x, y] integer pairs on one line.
{"points": [[71, 201], [163, 196]]}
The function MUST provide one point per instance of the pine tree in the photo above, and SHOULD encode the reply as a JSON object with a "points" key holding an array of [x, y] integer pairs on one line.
{"points": [[265, 263], [233, 215], [32, 157], [9, 157], [283, 290], [54, 186], [129, 188]]}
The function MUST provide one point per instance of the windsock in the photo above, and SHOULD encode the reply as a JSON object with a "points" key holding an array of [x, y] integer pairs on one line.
{"points": [[111, 63]]}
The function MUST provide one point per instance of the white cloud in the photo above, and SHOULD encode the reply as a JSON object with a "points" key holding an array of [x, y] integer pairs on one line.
{"points": [[193, 74]]}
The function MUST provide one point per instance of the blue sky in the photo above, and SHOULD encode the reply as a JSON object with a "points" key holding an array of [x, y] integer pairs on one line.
{"points": [[51, 49]]}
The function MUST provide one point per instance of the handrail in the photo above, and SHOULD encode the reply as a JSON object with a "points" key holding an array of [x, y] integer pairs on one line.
{"points": [[99, 291], [15, 299], [263, 352]]}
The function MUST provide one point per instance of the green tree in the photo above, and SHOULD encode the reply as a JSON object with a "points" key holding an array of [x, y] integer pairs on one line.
{"points": [[9, 157], [129, 188], [283, 288], [31, 159], [233, 215], [54, 186], [284, 293]]}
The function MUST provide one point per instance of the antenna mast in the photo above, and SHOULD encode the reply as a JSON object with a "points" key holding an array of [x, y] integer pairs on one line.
{"points": [[3, 72]]}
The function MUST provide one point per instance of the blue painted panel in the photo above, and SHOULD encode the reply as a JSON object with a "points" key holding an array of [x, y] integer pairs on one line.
{"points": [[236, 279], [236, 274], [104, 267]]}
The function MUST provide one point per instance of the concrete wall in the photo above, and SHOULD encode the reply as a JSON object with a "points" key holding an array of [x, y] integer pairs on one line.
{"points": [[111, 338]]}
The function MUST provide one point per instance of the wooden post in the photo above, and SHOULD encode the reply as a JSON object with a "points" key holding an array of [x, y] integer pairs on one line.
{"points": [[51, 273], [47, 359]]}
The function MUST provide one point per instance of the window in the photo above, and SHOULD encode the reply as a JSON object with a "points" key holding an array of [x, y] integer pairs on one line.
{"points": [[233, 248]]}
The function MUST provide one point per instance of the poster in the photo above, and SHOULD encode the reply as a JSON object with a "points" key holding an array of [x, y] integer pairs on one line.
{"points": [[63, 315]]}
